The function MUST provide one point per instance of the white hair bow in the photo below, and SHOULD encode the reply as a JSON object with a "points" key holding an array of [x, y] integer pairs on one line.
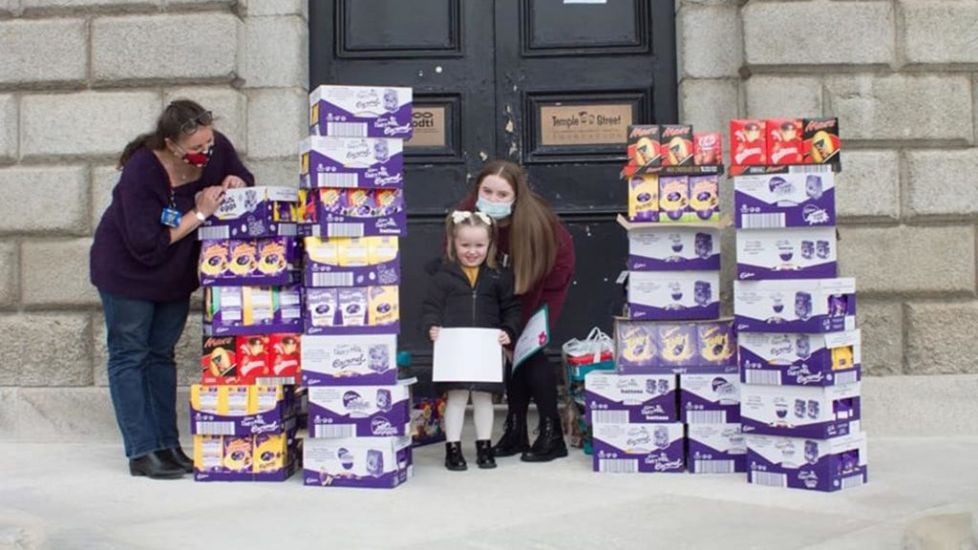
{"points": [[458, 216]]}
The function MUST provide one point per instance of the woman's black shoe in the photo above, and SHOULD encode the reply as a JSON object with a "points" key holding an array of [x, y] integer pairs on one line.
{"points": [[549, 445], [515, 440], [454, 460], [483, 451], [155, 465], [178, 457]]}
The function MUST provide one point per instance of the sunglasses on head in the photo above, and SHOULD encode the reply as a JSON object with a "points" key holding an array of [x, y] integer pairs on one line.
{"points": [[203, 119]]}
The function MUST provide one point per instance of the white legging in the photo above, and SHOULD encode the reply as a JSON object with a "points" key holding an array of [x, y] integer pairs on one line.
{"points": [[455, 414]]}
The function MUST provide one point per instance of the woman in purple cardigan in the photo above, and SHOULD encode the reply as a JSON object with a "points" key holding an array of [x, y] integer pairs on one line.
{"points": [[144, 263]]}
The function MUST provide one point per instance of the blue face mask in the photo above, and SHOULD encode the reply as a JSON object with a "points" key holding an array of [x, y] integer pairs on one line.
{"points": [[495, 210]]}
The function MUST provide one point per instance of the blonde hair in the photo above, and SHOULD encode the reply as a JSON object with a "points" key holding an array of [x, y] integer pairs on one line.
{"points": [[533, 237], [462, 218]]}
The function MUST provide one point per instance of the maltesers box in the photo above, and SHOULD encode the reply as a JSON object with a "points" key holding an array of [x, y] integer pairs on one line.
{"points": [[773, 201], [784, 143], [817, 412], [634, 447], [256, 359], [241, 409], [361, 111], [363, 261], [268, 261], [369, 462], [636, 398], [337, 212], [261, 457], [748, 142], [799, 359], [349, 360], [252, 310], [673, 295], [803, 305], [705, 347], [351, 162], [253, 212], [673, 248], [715, 449], [354, 310], [709, 398], [812, 464], [359, 411], [794, 253]]}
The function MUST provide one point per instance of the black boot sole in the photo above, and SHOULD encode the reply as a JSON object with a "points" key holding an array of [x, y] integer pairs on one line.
{"points": [[461, 468], [558, 453], [487, 466], [503, 453], [169, 475]]}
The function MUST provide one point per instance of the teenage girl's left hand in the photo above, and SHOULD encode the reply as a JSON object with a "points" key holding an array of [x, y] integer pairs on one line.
{"points": [[503, 338], [233, 182]]}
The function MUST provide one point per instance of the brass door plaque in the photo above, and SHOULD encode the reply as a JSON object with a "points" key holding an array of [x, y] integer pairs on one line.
{"points": [[428, 124], [603, 124]]}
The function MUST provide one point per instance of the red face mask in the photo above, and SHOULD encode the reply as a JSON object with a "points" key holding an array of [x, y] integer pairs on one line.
{"points": [[198, 159]]}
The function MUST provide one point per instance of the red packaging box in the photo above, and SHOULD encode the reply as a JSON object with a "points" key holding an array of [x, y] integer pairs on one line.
{"points": [[707, 148], [643, 145], [748, 142], [218, 360], [254, 357], [821, 140], [285, 351], [677, 144], [784, 145]]}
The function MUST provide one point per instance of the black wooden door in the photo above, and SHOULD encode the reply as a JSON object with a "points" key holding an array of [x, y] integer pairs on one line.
{"points": [[550, 84]]}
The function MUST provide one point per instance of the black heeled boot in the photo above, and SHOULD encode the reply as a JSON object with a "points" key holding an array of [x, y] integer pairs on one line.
{"points": [[178, 457], [484, 458], [514, 440], [454, 460], [549, 445], [155, 465]]}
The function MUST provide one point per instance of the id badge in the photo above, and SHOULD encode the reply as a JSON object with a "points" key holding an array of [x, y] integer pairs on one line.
{"points": [[170, 217]]}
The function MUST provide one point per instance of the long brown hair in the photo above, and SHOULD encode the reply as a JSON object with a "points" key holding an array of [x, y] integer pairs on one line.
{"points": [[168, 126], [532, 234], [472, 219]]}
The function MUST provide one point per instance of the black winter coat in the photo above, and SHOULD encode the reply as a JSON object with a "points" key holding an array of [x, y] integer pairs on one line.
{"points": [[452, 302]]}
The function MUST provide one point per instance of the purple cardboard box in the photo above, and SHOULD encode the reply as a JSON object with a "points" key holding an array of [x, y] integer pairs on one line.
{"points": [[363, 261], [264, 457], [796, 253], [804, 305], [716, 449], [355, 310], [709, 398], [253, 212], [812, 464], [268, 261], [673, 295], [251, 310], [351, 162], [800, 359], [673, 248], [817, 412], [335, 212], [368, 462], [646, 347], [349, 360], [361, 111], [633, 448], [636, 398], [242, 409], [359, 411], [784, 200]]}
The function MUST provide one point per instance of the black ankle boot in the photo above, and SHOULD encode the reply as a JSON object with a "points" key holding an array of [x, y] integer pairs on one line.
{"points": [[178, 457], [155, 465], [515, 439], [454, 460], [483, 450], [549, 445]]}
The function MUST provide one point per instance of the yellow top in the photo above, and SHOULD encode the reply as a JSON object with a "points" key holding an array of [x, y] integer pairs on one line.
{"points": [[472, 273]]}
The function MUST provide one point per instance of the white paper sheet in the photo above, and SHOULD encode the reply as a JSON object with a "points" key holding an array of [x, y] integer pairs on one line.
{"points": [[535, 335], [468, 355]]}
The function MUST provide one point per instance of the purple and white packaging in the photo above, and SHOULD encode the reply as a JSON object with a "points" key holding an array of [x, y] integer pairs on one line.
{"points": [[266, 261], [253, 212], [817, 412], [359, 411], [812, 464], [363, 261], [798, 253], [633, 448], [673, 295], [369, 462], [273, 416], [709, 398], [361, 111], [350, 360], [673, 248], [804, 305], [635, 398], [646, 347], [799, 359], [715, 449], [351, 162], [252, 310], [354, 310], [356, 212], [784, 200]]}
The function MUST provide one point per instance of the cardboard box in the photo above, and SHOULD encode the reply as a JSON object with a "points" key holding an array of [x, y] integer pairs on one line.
{"points": [[817, 412], [709, 398], [704, 198], [369, 462], [349, 360], [351, 162], [804, 305], [673, 248], [361, 111], [784, 143], [676, 144], [673, 295], [336, 212], [364, 261], [796, 253], [269, 261], [748, 142], [252, 310], [812, 464], [359, 411], [644, 347], [707, 148], [716, 449], [821, 141], [799, 359], [258, 359], [241, 410], [673, 198], [773, 201], [262, 457], [355, 310], [644, 147], [643, 198], [634, 448], [635, 398], [253, 212]]}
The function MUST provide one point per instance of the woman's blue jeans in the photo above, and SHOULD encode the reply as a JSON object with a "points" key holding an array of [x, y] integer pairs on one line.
{"points": [[142, 336]]}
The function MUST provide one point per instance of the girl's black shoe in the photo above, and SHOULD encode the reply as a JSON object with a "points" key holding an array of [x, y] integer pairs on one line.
{"points": [[484, 458], [155, 465], [454, 460]]}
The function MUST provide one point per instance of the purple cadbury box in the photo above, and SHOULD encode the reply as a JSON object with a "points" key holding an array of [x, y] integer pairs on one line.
{"points": [[351, 162], [359, 411], [784, 200], [643, 347], [709, 398], [634, 398], [361, 111], [812, 464], [716, 449], [369, 462], [336, 212], [252, 310], [799, 359], [796, 253], [817, 412], [803, 305], [632, 448]]}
